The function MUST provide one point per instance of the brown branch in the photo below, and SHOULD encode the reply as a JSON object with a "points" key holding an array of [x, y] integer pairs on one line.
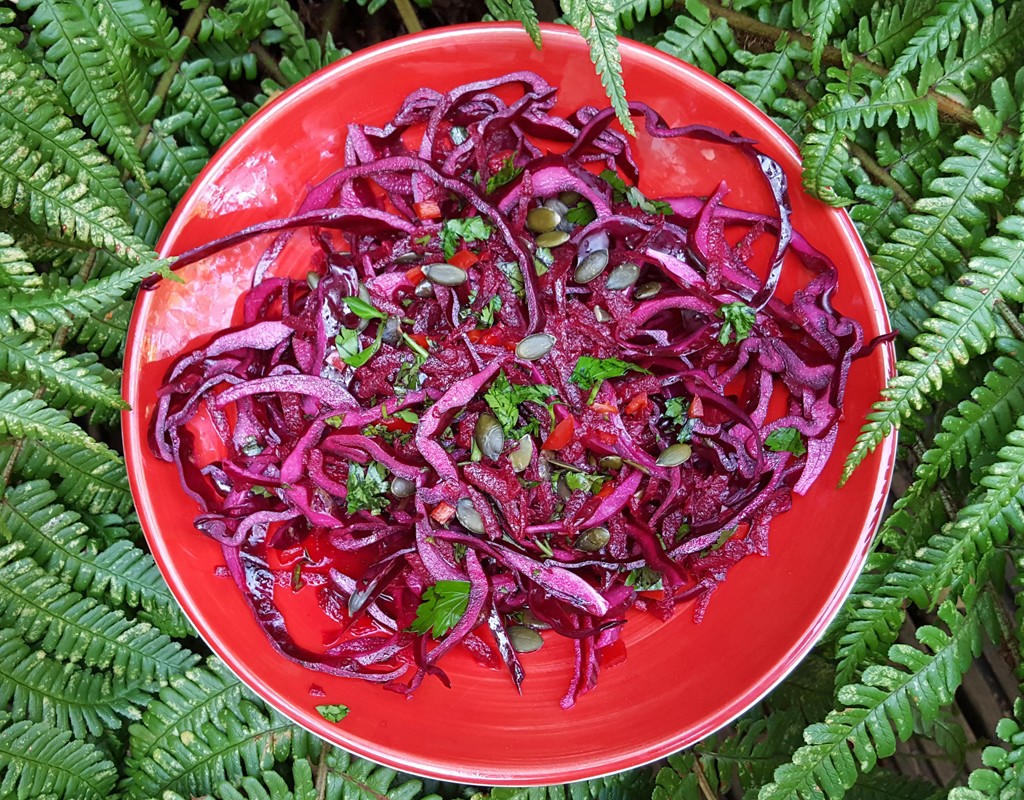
{"points": [[833, 56], [268, 63], [408, 15], [322, 771], [702, 780], [195, 19]]}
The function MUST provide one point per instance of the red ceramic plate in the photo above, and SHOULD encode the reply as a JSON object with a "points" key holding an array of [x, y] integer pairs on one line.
{"points": [[681, 680]]}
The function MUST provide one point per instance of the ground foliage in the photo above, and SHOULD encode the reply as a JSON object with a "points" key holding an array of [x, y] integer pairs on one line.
{"points": [[907, 113]]}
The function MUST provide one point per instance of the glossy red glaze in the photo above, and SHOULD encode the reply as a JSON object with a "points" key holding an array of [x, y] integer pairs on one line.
{"points": [[680, 681]]}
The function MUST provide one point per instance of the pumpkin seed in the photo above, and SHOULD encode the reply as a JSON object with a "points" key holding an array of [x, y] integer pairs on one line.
{"points": [[535, 347], [601, 315], [445, 274], [674, 455], [531, 620], [520, 457], [570, 198], [391, 333], [489, 436], [610, 462], [552, 239], [524, 640], [592, 539], [591, 266], [402, 487], [468, 516], [647, 291], [424, 290], [557, 206], [543, 219], [312, 279], [623, 276], [407, 258]]}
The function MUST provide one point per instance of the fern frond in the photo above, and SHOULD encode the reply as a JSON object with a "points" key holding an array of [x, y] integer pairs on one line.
{"points": [[196, 90], [94, 483], [171, 165], [103, 334], [62, 303], [963, 326], [945, 25], [150, 210], [986, 50], [881, 710], [848, 106], [28, 115], [764, 76], [631, 13], [1002, 777], [78, 383], [887, 28], [15, 269], [526, 13], [698, 38], [144, 24], [205, 729], [823, 15], [290, 33], [242, 20], [228, 61], [38, 688], [883, 784], [272, 786], [595, 20], [825, 155], [58, 540], [35, 758], [23, 416], [47, 612], [355, 778], [88, 70], [911, 159], [877, 214]]}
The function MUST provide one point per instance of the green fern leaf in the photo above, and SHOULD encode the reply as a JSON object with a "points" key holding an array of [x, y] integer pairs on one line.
{"points": [[144, 24], [938, 31], [631, 13], [69, 697], [61, 304], [1002, 777], [882, 784], [912, 159], [823, 15], [986, 51], [77, 383], [15, 270], [358, 779], [964, 325], [825, 156], [763, 79], [172, 166], [882, 709], [699, 38], [88, 69], [230, 63], [877, 214], [46, 611], [27, 114], [291, 32], [23, 416], [595, 20], [149, 213], [242, 20], [884, 31], [59, 542], [524, 11], [103, 334], [850, 107], [35, 758], [196, 90], [93, 483]]}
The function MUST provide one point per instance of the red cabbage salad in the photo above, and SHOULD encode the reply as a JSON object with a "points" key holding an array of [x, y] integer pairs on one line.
{"points": [[513, 398]]}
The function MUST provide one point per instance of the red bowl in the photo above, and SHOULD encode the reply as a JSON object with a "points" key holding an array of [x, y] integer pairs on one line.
{"points": [[681, 680]]}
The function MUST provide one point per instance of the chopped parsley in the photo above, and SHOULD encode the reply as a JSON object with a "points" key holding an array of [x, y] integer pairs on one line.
{"points": [[632, 195], [510, 269], [333, 713], [543, 258], [424, 240], [738, 321], [508, 172], [367, 488], [504, 398], [785, 440], [347, 342], [590, 372], [644, 579], [466, 229], [263, 491], [677, 411], [362, 309], [584, 481], [441, 608], [409, 377], [582, 213], [487, 313]]}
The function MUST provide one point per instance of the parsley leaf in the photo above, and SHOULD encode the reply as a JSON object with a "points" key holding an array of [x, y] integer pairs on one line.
{"points": [[367, 488], [677, 411], [785, 440], [441, 608], [510, 269], [644, 579], [409, 377], [467, 229], [738, 322], [504, 398], [333, 713], [507, 173], [487, 313], [424, 240], [347, 342], [582, 213], [590, 372], [632, 195], [362, 309], [582, 480]]}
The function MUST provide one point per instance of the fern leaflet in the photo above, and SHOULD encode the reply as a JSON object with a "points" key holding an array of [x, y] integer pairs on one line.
{"points": [[699, 38], [823, 15], [15, 269], [938, 30], [825, 156], [631, 13], [144, 24], [36, 758], [198, 91], [764, 76]]}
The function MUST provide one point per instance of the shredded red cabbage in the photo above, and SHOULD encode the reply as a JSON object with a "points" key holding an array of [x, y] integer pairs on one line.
{"points": [[530, 398]]}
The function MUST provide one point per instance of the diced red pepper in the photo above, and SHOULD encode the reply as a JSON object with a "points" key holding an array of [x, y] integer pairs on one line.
{"points": [[397, 424], [415, 275], [561, 435], [443, 513], [420, 339], [607, 437], [464, 259], [427, 209], [637, 404], [696, 408], [497, 160], [606, 489], [612, 653], [605, 408]]}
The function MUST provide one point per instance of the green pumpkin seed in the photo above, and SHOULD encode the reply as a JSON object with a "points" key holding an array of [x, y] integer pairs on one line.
{"points": [[591, 266], [520, 457], [552, 239], [468, 516], [592, 539], [557, 206], [445, 274], [601, 315], [424, 290], [647, 291], [535, 347], [524, 640], [312, 279], [543, 219], [610, 462], [402, 487], [674, 455], [489, 436], [570, 198], [623, 276]]}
